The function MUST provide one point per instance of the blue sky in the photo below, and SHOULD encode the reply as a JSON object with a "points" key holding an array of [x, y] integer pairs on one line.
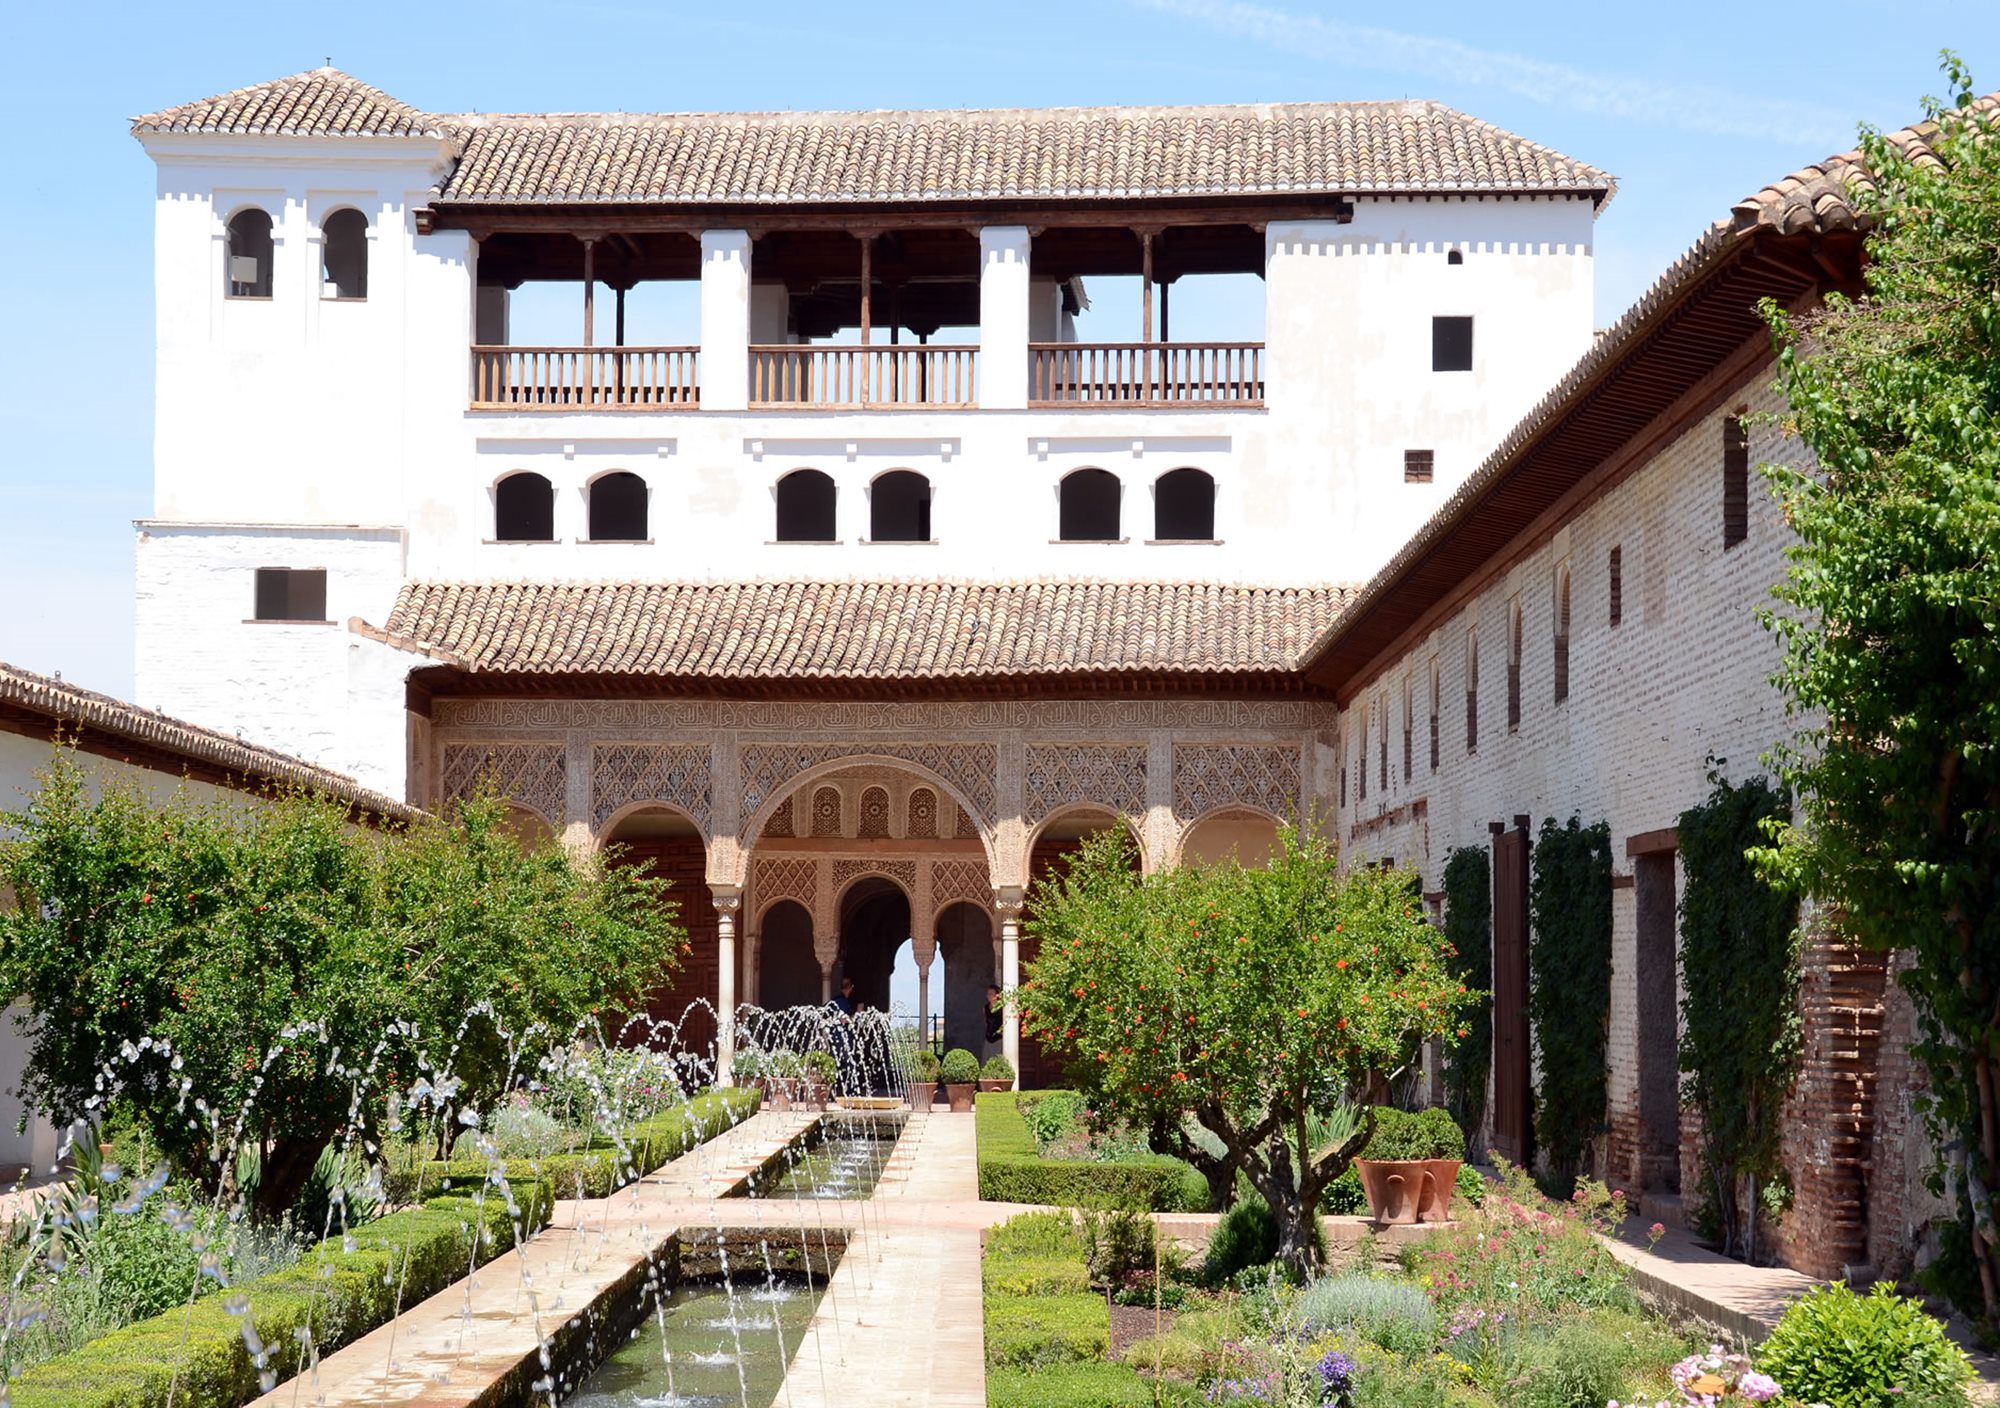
{"points": [[1691, 107]]}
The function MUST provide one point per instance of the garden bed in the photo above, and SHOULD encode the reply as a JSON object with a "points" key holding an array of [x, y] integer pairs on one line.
{"points": [[1013, 1170]]}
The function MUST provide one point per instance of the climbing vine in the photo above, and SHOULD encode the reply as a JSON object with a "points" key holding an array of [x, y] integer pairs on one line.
{"points": [[1740, 1036], [1569, 986], [1468, 929]]}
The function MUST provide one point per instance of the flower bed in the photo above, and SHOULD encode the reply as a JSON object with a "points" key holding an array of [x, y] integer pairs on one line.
{"points": [[224, 1350], [1047, 1333], [1012, 1170]]}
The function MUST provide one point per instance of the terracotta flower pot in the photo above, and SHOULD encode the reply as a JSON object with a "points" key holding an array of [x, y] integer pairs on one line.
{"points": [[1408, 1190], [985, 1084], [960, 1097]]}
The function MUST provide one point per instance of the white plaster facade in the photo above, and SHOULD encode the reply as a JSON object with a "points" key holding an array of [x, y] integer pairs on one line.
{"points": [[302, 430]]}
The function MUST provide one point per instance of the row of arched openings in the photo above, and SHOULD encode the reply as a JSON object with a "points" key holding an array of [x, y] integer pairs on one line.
{"points": [[249, 256], [899, 507]]}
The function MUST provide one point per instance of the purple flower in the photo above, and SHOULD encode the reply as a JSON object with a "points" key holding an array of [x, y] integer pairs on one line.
{"points": [[1758, 1387], [1336, 1374]]}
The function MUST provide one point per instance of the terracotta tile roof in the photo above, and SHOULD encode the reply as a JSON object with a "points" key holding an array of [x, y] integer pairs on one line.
{"points": [[844, 157], [321, 102], [23, 691], [861, 630], [1819, 199], [762, 158]]}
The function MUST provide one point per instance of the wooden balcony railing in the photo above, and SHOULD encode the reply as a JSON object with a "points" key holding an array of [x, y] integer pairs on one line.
{"points": [[1146, 374], [584, 378], [934, 377]]}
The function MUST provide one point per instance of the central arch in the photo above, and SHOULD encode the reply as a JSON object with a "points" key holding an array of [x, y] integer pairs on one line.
{"points": [[874, 923]]}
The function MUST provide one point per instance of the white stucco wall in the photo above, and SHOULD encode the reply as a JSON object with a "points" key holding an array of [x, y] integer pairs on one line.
{"points": [[281, 422]]}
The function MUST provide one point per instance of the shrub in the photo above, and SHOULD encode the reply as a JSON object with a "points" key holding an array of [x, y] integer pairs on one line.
{"points": [[1521, 1249], [1397, 1383], [1010, 1170], [1395, 1315], [1069, 1386], [1247, 1236], [960, 1067], [1193, 1347], [925, 1068], [1850, 1351], [1586, 1361], [1429, 1134], [342, 1289], [1052, 1115], [1024, 1331], [1036, 1234], [997, 1068], [1118, 1245]]}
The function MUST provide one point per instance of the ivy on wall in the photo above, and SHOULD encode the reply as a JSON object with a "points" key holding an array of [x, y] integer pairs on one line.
{"points": [[1468, 928], [1740, 1024], [1569, 987]]}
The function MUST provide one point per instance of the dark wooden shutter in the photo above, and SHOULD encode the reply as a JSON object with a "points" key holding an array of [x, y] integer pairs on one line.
{"points": [[1735, 482], [1418, 466]]}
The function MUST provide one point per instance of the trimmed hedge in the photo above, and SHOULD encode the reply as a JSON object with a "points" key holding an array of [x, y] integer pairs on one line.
{"points": [[1028, 1331], [1047, 1332], [337, 1294], [603, 1168], [1073, 1386], [1011, 1171]]}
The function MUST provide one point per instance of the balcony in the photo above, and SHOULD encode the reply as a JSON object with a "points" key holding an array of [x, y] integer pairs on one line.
{"points": [[1147, 374], [585, 378]]}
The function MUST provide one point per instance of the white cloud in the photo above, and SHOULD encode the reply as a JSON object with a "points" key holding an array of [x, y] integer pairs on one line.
{"points": [[1681, 107]]}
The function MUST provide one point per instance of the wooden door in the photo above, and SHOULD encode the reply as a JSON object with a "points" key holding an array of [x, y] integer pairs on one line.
{"points": [[1513, 1102]]}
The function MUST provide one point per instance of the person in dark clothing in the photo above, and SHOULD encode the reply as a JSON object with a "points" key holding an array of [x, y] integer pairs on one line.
{"points": [[845, 1002], [996, 1015]]}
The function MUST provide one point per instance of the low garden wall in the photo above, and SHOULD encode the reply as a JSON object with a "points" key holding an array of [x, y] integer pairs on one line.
{"points": [[1012, 1171]]}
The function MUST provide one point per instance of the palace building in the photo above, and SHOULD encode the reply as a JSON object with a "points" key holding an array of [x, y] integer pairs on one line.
{"points": [[916, 546]]}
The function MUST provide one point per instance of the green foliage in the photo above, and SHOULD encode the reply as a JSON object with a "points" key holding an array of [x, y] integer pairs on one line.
{"points": [[1037, 1235], [997, 1067], [925, 1067], [960, 1067], [1468, 929], [1011, 1171], [1522, 1252], [1886, 615], [1247, 999], [1051, 1114], [1118, 1245], [599, 1171], [1069, 1386], [239, 948], [1025, 1331], [1569, 986], [1427, 1134], [1740, 1028], [1390, 1314], [339, 1294], [1246, 1236], [1585, 1361], [1872, 1351]]}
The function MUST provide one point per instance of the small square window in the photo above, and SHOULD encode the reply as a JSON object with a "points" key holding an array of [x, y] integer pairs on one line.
{"points": [[1418, 466], [1451, 344], [291, 593]]}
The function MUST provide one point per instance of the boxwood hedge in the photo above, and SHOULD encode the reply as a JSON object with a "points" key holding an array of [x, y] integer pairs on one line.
{"points": [[1011, 1171], [1047, 1332], [340, 1291]]}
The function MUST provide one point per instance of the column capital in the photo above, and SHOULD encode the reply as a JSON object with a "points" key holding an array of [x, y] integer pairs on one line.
{"points": [[725, 898], [1009, 900]]}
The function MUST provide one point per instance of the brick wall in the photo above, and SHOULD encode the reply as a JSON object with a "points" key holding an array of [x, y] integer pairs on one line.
{"points": [[1683, 676], [682, 860]]}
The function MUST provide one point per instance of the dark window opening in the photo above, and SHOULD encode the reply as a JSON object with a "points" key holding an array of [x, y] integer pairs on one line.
{"points": [[1361, 761], [1456, 256], [1184, 506], [899, 508], [1343, 782], [1088, 510], [1617, 585], [291, 593], [524, 509], [1409, 730], [1382, 744], [1514, 670], [1735, 482], [1436, 701], [618, 508], [1451, 344], [805, 507], [1472, 694], [1562, 638], [1418, 466], [248, 258], [344, 255]]}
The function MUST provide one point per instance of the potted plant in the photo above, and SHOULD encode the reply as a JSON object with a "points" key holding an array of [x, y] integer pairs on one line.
{"points": [[1411, 1165], [923, 1080], [996, 1074], [747, 1069], [960, 1073], [820, 1071], [783, 1070]]}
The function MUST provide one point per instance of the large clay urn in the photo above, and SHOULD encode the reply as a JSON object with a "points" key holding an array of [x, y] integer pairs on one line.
{"points": [[1408, 1190]]}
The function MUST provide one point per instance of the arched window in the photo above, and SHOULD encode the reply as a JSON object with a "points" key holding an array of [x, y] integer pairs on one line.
{"points": [[899, 508], [524, 509], [344, 255], [1472, 691], [805, 507], [1456, 256], [1562, 635], [618, 508], [248, 262], [1514, 666], [1361, 755], [1184, 506], [1089, 507], [1436, 701]]}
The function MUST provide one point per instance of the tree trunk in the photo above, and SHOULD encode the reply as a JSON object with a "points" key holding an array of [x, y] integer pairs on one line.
{"points": [[1167, 1137], [288, 1163], [1296, 1215]]}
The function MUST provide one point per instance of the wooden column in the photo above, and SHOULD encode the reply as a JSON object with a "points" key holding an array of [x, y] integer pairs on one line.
{"points": [[1165, 335], [867, 239], [589, 289], [621, 313], [1146, 311]]}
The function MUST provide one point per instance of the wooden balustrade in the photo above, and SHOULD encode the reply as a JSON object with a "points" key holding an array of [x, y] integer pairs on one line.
{"points": [[585, 378], [932, 377], [1146, 374]]}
